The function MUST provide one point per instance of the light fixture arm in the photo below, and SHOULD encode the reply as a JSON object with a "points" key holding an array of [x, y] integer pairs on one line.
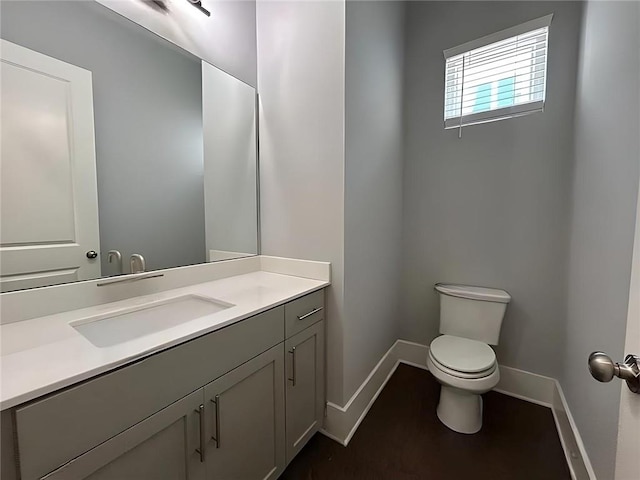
{"points": [[198, 5]]}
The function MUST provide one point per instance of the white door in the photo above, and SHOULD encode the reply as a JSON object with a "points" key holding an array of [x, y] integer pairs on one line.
{"points": [[628, 453], [48, 193]]}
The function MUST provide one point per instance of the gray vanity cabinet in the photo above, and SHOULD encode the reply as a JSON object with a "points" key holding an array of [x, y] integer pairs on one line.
{"points": [[52, 430], [235, 404], [305, 386], [245, 420], [163, 446]]}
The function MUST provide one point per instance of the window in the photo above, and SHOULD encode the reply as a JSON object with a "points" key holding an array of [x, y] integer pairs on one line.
{"points": [[498, 76]]}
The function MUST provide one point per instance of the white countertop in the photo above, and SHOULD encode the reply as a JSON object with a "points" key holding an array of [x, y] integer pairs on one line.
{"points": [[42, 355]]}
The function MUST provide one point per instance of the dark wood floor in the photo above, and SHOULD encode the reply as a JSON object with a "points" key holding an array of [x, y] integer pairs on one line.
{"points": [[402, 439]]}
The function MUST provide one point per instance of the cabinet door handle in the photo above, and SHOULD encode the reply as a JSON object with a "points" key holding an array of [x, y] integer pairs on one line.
{"points": [[200, 412], [315, 310], [216, 401], [293, 366]]}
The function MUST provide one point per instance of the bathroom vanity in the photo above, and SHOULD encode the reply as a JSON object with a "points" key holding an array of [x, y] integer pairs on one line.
{"points": [[233, 394]]}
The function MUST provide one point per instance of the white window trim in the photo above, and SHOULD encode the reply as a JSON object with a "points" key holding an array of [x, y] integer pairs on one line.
{"points": [[499, 36]]}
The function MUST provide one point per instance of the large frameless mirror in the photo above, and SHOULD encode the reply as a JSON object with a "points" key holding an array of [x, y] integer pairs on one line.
{"points": [[117, 143]]}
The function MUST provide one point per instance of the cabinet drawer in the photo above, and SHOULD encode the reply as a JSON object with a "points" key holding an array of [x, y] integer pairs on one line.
{"points": [[304, 312], [56, 429]]}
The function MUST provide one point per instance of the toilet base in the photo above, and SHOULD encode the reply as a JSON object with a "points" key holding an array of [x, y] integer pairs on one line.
{"points": [[459, 410]]}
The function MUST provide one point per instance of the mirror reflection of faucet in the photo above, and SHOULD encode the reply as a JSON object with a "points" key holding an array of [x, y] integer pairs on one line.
{"points": [[137, 263], [118, 256]]}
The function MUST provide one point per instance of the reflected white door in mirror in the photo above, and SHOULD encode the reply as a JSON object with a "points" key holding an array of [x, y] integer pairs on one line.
{"points": [[48, 184]]}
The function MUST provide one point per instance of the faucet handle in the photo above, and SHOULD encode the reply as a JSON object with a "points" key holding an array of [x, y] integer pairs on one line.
{"points": [[118, 256], [137, 263]]}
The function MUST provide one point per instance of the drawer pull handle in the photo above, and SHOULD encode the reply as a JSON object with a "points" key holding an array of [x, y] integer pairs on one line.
{"points": [[216, 401], [315, 310], [200, 412], [293, 366]]}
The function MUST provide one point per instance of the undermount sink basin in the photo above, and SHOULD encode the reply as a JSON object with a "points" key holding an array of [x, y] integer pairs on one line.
{"points": [[109, 329]]}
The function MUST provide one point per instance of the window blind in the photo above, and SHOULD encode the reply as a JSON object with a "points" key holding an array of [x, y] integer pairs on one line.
{"points": [[498, 76]]}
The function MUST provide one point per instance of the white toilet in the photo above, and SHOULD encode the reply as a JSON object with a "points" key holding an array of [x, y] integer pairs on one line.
{"points": [[461, 359]]}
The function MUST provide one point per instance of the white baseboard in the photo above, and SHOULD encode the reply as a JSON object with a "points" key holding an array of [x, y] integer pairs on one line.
{"points": [[572, 444], [342, 422], [411, 353], [527, 386]]}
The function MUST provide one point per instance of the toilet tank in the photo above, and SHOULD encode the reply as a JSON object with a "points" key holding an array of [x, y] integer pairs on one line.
{"points": [[472, 312]]}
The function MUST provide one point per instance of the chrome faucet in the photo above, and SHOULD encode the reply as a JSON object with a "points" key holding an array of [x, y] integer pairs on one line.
{"points": [[118, 256], [137, 263]]}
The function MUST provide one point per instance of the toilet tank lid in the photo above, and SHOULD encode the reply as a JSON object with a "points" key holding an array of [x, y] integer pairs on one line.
{"points": [[474, 293]]}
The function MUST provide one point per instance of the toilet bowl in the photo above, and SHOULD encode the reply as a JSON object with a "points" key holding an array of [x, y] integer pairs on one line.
{"points": [[461, 359], [466, 369]]}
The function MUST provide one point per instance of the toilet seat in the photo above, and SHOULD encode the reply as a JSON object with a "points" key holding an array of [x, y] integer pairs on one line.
{"points": [[463, 375], [462, 357]]}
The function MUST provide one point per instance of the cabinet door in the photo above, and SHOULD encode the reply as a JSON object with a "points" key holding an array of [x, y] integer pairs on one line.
{"points": [[164, 446], [305, 387], [245, 420]]}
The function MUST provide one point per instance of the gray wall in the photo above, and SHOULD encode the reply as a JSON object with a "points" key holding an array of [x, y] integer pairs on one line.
{"points": [[148, 121], [373, 184], [301, 86], [491, 208], [605, 187]]}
